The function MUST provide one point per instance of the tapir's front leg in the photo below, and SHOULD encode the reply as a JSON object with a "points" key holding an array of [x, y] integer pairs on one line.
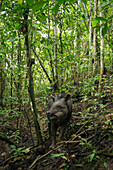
{"points": [[53, 134], [61, 133]]}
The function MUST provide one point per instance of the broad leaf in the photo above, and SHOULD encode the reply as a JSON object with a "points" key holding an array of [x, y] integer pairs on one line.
{"points": [[61, 1], [100, 19], [105, 165], [94, 23], [84, 1], [104, 30], [20, 1], [29, 2], [38, 5], [55, 8]]}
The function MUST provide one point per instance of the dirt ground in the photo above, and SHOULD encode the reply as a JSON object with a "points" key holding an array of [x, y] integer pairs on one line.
{"points": [[88, 142]]}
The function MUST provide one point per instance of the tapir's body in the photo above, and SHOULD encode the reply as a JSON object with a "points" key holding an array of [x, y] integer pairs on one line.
{"points": [[59, 113]]}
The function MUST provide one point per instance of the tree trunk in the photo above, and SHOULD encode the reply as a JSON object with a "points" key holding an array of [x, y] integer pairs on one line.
{"points": [[95, 41], [61, 75], [78, 55], [85, 19], [112, 39], [19, 75], [11, 91], [90, 46], [55, 52], [2, 85], [31, 86], [48, 42], [101, 50]]}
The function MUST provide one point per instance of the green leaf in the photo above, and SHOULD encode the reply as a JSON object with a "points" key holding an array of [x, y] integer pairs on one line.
{"points": [[64, 157], [57, 155], [94, 23], [104, 30], [29, 2], [38, 5], [105, 165], [92, 156], [100, 19], [79, 165], [61, 1], [19, 149], [84, 1], [110, 17], [20, 1], [64, 164], [55, 8], [13, 146]]}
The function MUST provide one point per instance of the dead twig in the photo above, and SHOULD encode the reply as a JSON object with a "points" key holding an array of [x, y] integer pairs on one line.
{"points": [[104, 107], [40, 157], [65, 142], [108, 154]]}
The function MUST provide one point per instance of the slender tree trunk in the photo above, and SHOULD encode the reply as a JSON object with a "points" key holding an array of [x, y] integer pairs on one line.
{"points": [[55, 53], [2, 76], [48, 43], [19, 75], [11, 91], [52, 68], [112, 42], [60, 37], [101, 50], [2, 84], [112, 49], [77, 53], [90, 46], [61, 75], [19, 88], [48, 24], [31, 86], [86, 19], [95, 41]]}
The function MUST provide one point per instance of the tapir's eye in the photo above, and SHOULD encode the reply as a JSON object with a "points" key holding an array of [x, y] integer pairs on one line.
{"points": [[59, 107]]}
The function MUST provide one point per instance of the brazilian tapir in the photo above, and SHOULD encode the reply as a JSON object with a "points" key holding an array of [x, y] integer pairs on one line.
{"points": [[59, 112]]}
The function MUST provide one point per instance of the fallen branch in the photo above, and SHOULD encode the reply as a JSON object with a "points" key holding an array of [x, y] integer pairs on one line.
{"points": [[65, 142], [40, 157], [108, 154]]}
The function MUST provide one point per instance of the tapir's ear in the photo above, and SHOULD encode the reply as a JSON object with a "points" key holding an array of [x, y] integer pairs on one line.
{"points": [[68, 97], [53, 97]]}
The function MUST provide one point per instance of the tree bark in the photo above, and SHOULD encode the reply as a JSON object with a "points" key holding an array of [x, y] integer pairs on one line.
{"points": [[19, 75], [2, 85], [95, 41], [55, 52], [101, 51], [90, 45], [31, 86], [112, 39], [11, 90]]}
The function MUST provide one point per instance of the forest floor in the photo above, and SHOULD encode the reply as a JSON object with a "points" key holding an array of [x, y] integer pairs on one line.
{"points": [[88, 142]]}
